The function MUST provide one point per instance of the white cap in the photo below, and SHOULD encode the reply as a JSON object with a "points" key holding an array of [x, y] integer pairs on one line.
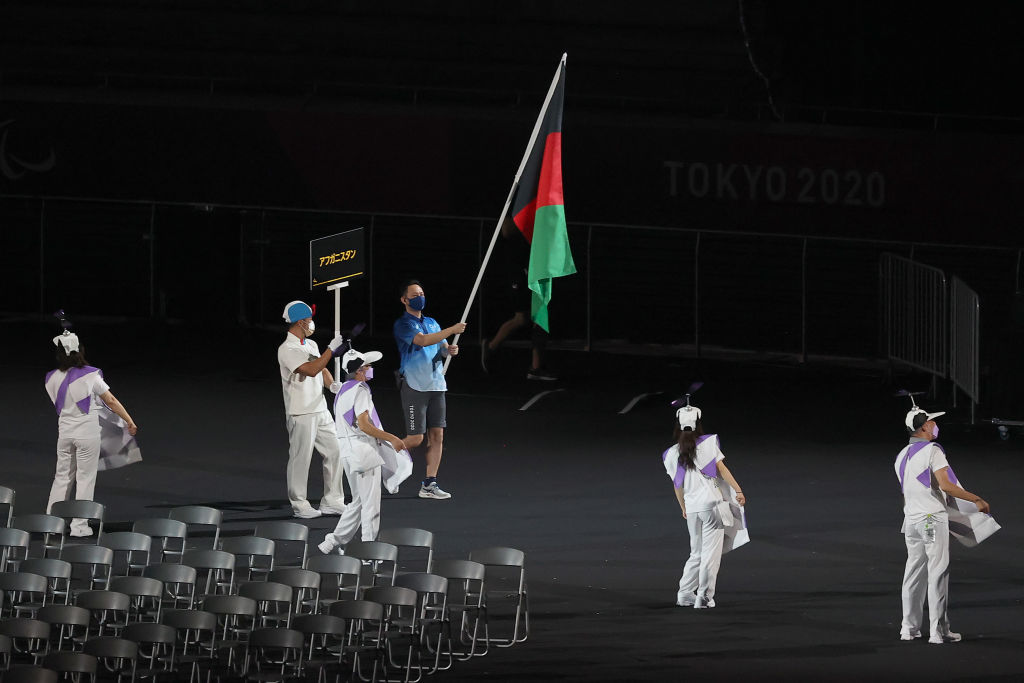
{"points": [[688, 416], [912, 417], [352, 357], [69, 340]]}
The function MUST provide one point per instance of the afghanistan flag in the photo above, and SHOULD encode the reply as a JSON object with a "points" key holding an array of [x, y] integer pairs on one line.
{"points": [[537, 207]]}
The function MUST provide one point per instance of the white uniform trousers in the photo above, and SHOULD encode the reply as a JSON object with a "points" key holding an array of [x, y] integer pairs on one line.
{"points": [[76, 461], [700, 573], [927, 570], [305, 432], [363, 513]]}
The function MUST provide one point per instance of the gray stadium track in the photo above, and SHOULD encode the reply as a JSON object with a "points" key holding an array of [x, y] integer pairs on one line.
{"points": [[579, 487]]}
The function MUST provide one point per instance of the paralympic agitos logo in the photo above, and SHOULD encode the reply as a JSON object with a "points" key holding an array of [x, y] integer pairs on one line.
{"points": [[14, 167]]}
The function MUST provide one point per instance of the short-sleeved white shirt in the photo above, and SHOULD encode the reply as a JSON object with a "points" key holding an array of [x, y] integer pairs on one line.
{"points": [[921, 493], [302, 395], [700, 489], [72, 422], [349, 404]]}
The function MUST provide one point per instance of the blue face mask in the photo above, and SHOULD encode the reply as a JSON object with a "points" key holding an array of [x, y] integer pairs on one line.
{"points": [[418, 303]]}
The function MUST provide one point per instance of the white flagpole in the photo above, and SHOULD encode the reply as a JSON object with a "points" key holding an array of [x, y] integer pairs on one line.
{"points": [[508, 200]]}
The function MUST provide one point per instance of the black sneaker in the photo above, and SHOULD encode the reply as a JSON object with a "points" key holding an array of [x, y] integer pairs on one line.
{"points": [[541, 374]]}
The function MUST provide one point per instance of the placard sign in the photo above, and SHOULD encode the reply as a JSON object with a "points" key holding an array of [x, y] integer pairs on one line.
{"points": [[336, 258]]}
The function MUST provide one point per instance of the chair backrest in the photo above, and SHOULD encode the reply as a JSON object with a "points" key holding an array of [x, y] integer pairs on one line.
{"points": [[357, 609], [410, 537], [103, 600], [98, 559], [57, 571], [459, 570], [81, 509], [379, 553], [31, 674], [70, 662], [189, 619], [319, 624], [21, 628], [64, 614], [499, 556], [201, 515], [112, 652], [423, 583], [334, 570], [391, 596], [137, 586], [235, 605], [285, 535], [295, 577], [44, 525], [217, 566], [273, 600], [7, 500]]}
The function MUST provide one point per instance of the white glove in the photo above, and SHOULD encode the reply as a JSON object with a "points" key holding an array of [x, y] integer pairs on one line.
{"points": [[335, 343], [335, 387]]}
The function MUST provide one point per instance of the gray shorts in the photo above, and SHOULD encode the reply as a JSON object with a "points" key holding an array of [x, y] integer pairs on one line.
{"points": [[422, 409]]}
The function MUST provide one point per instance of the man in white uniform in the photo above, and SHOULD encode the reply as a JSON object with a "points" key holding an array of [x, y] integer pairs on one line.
{"points": [[359, 429], [923, 473], [303, 375]]}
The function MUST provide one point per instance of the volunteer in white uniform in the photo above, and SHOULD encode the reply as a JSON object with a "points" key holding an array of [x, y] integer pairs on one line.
{"points": [[695, 463], [74, 388], [303, 374], [923, 473], [359, 428]]}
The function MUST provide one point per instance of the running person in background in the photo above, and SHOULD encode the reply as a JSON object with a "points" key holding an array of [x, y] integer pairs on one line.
{"points": [[359, 428], [516, 257], [422, 349], [923, 472], [695, 463], [73, 388], [303, 376]]}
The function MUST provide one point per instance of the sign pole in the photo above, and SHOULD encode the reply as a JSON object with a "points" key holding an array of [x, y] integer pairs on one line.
{"points": [[337, 322]]}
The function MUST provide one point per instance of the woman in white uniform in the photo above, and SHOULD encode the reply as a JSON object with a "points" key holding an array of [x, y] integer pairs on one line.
{"points": [[695, 463], [359, 429], [74, 387]]}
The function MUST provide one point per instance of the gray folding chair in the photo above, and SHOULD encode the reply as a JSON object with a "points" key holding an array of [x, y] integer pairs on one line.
{"points": [[97, 561], [73, 663], [31, 674], [339, 574], [305, 585], [108, 610], [14, 545], [199, 515], [133, 547], [215, 569], [57, 573], [407, 539], [254, 556], [156, 647], [30, 638], [401, 629], [116, 657], [379, 555], [145, 594], [49, 528], [325, 640], [7, 500], [285, 536], [364, 638], [23, 594], [274, 654], [505, 576], [273, 602], [236, 619], [431, 613], [89, 510], [169, 536], [197, 639], [466, 608], [179, 584], [69, 625]]}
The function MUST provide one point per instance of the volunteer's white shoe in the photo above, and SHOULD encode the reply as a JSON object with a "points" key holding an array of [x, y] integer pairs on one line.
{"points": [[947, 637], [330, 510], [703, 603], [911, 635], [685, 600], [311, 513], [328, 547]]}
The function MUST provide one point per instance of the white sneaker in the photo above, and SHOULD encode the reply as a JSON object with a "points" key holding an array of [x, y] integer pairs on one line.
{"points": [[80, 532], [330, 510], [947, 637], [703, 602], [911, 635], [686, 600], [434, 491], [327, 547], [311, 513]]}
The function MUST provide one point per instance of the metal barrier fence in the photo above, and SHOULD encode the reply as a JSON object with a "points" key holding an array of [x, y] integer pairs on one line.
{"points": [[914, 323], [964, 332], [684, 292]]}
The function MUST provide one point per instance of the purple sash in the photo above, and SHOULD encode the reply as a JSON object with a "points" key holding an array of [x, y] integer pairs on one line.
{"points": [[350, 415], [711, 469], [62, 391], [677, 480], [925, 477]]}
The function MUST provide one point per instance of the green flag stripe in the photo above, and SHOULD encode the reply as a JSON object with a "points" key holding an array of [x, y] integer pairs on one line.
{"points": [[549, 258]]}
